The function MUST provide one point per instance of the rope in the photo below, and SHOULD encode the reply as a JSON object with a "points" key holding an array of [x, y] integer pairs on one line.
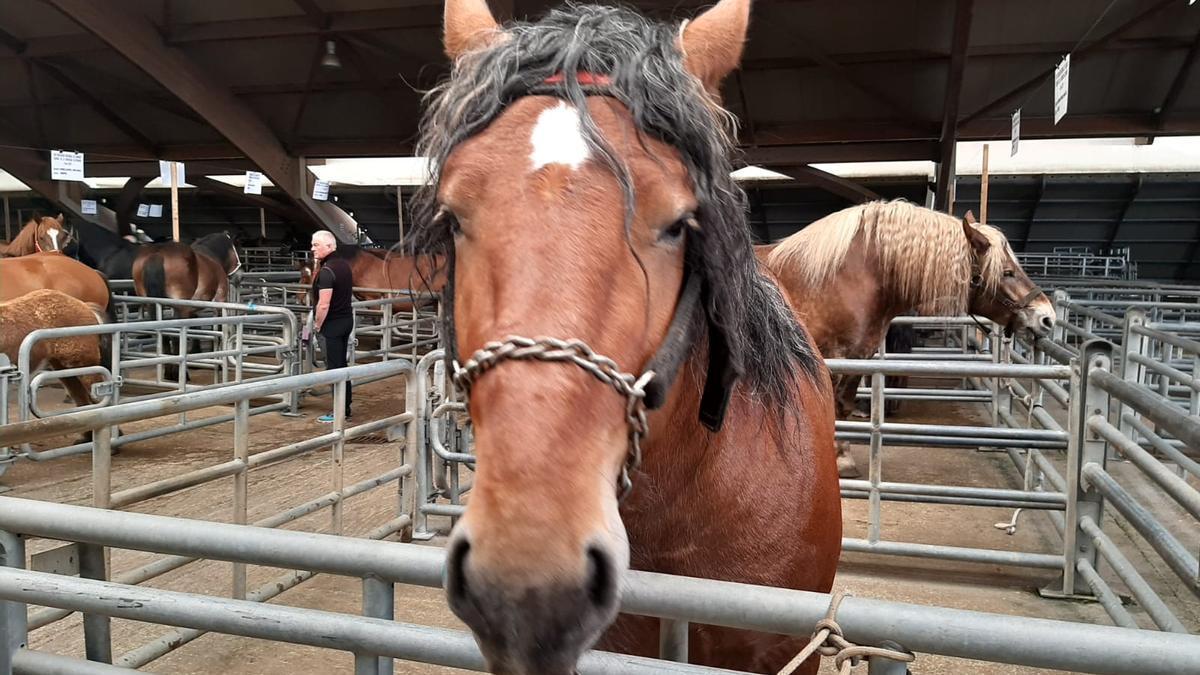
{"points": [[519, 348], [827, 638]]}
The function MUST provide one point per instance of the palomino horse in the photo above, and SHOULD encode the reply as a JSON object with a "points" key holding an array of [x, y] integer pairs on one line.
{"points": [[41, 233], [580, 190], [29, 273], [54, 309], [850, 273]]}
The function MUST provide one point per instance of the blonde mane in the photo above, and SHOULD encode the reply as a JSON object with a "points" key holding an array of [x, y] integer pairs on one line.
{"points": [[924, 258]]}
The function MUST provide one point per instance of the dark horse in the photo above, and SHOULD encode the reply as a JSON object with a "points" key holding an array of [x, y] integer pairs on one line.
{"points": [[581, 190], [105, 250]]}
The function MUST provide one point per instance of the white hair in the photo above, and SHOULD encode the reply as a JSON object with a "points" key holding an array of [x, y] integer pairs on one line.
{"points": [[325, 237]]}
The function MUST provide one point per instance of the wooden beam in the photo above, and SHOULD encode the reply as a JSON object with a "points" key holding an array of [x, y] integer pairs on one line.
{"points": [[847, 189], [314, 67], [844, 74], [315, 14], [31, 80], [132, 34], [1176, 88], [236, 194], [32, 168], [948, 138], [1077, 56], [100, 107]]}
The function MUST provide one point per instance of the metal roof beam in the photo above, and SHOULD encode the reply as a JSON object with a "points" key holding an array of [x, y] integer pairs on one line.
{"points": [[1181, 77], [138, 40], [1076, 57]]}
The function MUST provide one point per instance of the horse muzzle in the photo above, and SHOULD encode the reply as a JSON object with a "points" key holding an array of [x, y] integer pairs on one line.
{"points": [[527, 629]]}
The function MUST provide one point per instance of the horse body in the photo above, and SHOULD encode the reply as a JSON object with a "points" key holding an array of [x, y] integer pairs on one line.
{"points": [[105, 250], [28, 273], [41, 233], [377, 268], [54, 309], [564, 212], [849, 274]]}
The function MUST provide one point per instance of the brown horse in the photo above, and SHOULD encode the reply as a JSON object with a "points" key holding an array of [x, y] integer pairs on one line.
{"points": [[28, 273], [852, 272], [594, 204], [379, 268], [180, 272], [40, 233], [54, 309]]}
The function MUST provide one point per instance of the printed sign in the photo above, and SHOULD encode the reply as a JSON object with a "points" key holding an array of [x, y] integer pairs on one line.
{"points": [[1062, 76], [321, 190], [66, 165], [143, 210], [88, 206], [156, 210], [164, 173], [1016, 131], [253, 183]]}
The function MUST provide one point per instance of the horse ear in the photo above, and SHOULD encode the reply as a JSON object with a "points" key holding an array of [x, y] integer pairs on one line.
{"points": [[468, 25], [978, 241], [970, 218], [712, 42], [61, 220]]}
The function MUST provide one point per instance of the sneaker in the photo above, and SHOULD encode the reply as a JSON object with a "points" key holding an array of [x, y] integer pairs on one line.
{"points": [[326, 419]]}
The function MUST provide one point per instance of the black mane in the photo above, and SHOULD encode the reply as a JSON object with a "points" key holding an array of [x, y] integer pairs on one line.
{"points": [[646, 71]]}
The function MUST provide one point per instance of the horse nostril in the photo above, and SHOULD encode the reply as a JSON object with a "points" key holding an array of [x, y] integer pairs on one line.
{"points": [[456, 560], [1047, 322], [602, 578]]}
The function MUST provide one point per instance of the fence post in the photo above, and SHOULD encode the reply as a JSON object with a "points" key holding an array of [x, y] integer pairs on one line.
{"points": [[14, 630], [1059, 333], [379, 602], [97, 629], [1083, 446], [673, 640], [241, 453], [1132, 342]]}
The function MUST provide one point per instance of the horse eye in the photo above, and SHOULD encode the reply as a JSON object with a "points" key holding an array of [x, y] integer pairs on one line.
{"points": [[1009, 273], [676, 229], [446, 218]]}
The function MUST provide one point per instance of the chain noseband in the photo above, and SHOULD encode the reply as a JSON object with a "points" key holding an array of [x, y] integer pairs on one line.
{"points": [[517, 348]]}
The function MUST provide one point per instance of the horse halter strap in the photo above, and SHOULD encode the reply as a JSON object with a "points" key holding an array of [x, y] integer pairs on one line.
{"points": [[641, 392]]}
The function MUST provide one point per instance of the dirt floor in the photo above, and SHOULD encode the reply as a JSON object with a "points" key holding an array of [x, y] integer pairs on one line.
{"points": [[274, 488]]}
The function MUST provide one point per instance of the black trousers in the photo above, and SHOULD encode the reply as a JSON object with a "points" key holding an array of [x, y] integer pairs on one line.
{"points": [[337, 346]]}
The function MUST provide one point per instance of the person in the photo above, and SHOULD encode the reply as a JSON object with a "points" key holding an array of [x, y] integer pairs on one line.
{"points": [[333, 315]]}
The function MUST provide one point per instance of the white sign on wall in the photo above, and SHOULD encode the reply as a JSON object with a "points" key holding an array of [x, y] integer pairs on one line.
{"points": [[88, 206], [66, 165], [143, 210], [156, 210], [164, 173], [321, 190]]}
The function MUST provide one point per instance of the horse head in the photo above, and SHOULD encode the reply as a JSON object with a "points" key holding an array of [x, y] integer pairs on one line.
{"points": [[1000, 289], [51, 232], [580, 191], [306, 268]]}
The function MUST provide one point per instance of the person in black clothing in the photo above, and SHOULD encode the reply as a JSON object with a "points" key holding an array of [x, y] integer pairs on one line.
{"points": [[333, 316]]}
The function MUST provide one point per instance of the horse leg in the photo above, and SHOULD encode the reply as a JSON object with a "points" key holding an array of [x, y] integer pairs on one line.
{"points": [[80, 392], [845, 389]]}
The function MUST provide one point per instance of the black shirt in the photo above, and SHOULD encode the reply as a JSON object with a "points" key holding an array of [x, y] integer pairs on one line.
{"points": [[336, 274]]}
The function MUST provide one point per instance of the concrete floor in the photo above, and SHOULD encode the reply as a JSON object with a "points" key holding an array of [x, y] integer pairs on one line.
{"points": [[979, 587]]}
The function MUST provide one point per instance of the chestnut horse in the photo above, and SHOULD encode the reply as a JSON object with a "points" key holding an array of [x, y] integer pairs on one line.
{"points": [[54, 309], [40, 233], [581, 190], [28, 273], [850, 273], [380, 268]]}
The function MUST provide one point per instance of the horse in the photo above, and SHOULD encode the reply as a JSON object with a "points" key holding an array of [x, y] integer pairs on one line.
{"points": [[222, 247], [580, 189], [850, 273], [380, 268], [28, 273], [40, 233], [105, 250], [47, 308]]}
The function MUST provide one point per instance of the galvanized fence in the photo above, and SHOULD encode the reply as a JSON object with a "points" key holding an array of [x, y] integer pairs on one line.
{"points": [[102, 422]]}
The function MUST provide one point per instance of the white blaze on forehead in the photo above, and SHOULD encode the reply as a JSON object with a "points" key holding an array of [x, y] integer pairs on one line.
{"points": [[53, 232], [557, 138]]}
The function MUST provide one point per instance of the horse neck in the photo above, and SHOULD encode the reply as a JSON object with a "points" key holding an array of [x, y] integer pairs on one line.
{"points": [[22, 244]]}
